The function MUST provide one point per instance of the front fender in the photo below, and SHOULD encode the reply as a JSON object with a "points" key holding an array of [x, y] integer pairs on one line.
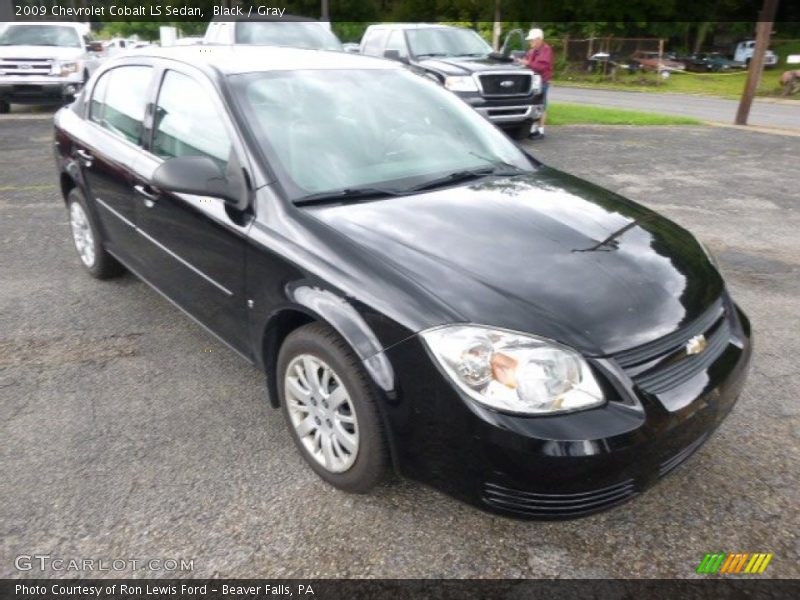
{"points": [[325, 306]]}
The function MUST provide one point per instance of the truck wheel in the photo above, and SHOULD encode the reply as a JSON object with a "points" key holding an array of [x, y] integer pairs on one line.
{"points": [[521, 132], [5, 107]]}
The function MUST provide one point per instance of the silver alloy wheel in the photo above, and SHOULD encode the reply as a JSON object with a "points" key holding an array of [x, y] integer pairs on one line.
{"points": [[321, 412], [82, 234]]}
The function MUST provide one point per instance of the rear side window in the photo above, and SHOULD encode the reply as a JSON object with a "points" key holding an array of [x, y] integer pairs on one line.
{"points": [[187, 122], [375, 42], [119, 100]]}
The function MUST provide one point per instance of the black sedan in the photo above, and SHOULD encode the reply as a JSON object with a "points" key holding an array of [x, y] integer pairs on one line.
{"points": [[421, 294]]}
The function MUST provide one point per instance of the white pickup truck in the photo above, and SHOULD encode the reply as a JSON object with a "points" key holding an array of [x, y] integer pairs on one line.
{"points": [[744, 52], [43, 62]]}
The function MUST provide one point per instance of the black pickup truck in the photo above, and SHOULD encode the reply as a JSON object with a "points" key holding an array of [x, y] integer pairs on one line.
{"points": [[507, 94]]}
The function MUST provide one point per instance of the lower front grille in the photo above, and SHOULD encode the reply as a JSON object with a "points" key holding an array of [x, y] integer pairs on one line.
{"points": [[557, 505]]}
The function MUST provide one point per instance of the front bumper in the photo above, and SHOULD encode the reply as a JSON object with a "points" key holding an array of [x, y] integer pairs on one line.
{"points": [[36, 90], [560, 466], [511, 111]]}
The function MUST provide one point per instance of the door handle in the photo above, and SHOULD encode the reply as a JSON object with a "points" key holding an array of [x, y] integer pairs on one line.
{"points": [[85, 157], [149, 196]]}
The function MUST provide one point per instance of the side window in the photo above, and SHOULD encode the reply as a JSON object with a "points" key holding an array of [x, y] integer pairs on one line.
{"points": [[375, 42], [187, 122], [125, 99], [98, 98], [397, 42]]}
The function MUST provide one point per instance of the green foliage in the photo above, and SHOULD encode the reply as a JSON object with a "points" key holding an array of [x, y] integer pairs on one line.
{"points": [[575, 114]]}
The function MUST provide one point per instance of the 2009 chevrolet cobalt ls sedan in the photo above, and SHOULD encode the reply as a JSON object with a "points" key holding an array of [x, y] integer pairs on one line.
{"points": [[421, 294]]}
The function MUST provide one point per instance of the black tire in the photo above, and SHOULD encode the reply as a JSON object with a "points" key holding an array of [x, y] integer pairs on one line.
{"points": [[372, 458], [5, 107], [521, 132], [104, 266]]}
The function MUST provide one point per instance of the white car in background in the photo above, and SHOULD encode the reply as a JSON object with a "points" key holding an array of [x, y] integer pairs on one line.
{"points": [[43, 62], [744, 52]]}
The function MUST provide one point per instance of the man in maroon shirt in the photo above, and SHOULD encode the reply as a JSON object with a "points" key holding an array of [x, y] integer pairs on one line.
{"points": [[539, 58]]}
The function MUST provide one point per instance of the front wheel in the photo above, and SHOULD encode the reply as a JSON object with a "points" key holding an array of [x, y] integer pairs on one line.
{"points": [[331, 409]]}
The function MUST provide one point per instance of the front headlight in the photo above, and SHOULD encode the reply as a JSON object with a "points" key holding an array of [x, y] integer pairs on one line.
{"points": [[62, 69], [514, 372], [460, 84]]}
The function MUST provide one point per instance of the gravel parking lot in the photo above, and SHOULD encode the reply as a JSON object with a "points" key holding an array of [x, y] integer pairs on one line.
{"points": [[129, 432]]}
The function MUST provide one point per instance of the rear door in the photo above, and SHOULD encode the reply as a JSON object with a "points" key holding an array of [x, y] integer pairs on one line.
{"points": [[194, 246], [115, 130]]}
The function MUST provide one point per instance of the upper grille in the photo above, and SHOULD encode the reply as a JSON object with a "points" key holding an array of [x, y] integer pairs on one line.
{"points": [[663, 364], [26, 66], [501, 84], [671, 342], [557, 505]]}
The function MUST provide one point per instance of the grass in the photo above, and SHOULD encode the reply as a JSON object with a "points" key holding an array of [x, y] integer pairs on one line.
{"points": [[580, 114], [726, 85]]}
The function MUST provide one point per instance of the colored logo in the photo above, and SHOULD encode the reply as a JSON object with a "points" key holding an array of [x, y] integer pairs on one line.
{"points": [[733, 563]]}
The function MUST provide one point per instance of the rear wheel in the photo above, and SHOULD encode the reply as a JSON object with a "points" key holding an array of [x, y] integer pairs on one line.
{"points": [[87, 239], [331, 409]]}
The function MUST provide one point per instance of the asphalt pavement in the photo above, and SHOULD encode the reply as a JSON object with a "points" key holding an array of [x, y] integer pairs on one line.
{"points": [[129, 432], [783, 114]]}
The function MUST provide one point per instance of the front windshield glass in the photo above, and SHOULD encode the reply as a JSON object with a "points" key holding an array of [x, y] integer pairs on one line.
{"points": [[40, 35], [438, 41], [295, 34], [328, 130]]}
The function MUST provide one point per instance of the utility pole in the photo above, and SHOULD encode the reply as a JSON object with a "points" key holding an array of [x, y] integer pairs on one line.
{"points": [[325, 10], [497, 27], [763, 30]]}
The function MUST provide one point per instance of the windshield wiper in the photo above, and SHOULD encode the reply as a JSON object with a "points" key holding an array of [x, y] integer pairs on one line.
{"points": [[345, 194], [471, 54], [496, 163], [454, 177], [426, 54]]}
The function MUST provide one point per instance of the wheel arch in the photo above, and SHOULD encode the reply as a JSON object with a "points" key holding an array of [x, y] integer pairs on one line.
{"points": [[311, 304]]}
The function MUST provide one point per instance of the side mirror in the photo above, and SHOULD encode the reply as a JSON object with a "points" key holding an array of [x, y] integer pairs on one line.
{"points": [[201, 176], [395, 55]]}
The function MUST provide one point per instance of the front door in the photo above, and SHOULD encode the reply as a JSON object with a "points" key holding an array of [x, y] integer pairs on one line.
{"points": [[194, 246]]}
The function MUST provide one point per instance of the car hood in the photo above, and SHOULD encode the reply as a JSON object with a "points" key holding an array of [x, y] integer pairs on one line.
{"points": [[57, 52], [527, 253], [467, 66]]}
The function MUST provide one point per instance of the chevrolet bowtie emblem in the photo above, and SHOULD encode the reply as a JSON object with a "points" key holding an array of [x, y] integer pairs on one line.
{"points": [[696, 345]]}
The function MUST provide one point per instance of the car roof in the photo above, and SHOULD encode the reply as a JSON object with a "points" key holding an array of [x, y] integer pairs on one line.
{"points": [[257, 18], [234, 59], [413, 26]]}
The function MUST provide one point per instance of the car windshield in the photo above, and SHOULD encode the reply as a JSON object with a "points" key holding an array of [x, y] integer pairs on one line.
{"points": [[330, 130], [438, 41], [40, 35], [295, 34]]}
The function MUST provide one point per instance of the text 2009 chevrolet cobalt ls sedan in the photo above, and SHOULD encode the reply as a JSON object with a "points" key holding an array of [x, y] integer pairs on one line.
{"points": [[420, 293]]}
